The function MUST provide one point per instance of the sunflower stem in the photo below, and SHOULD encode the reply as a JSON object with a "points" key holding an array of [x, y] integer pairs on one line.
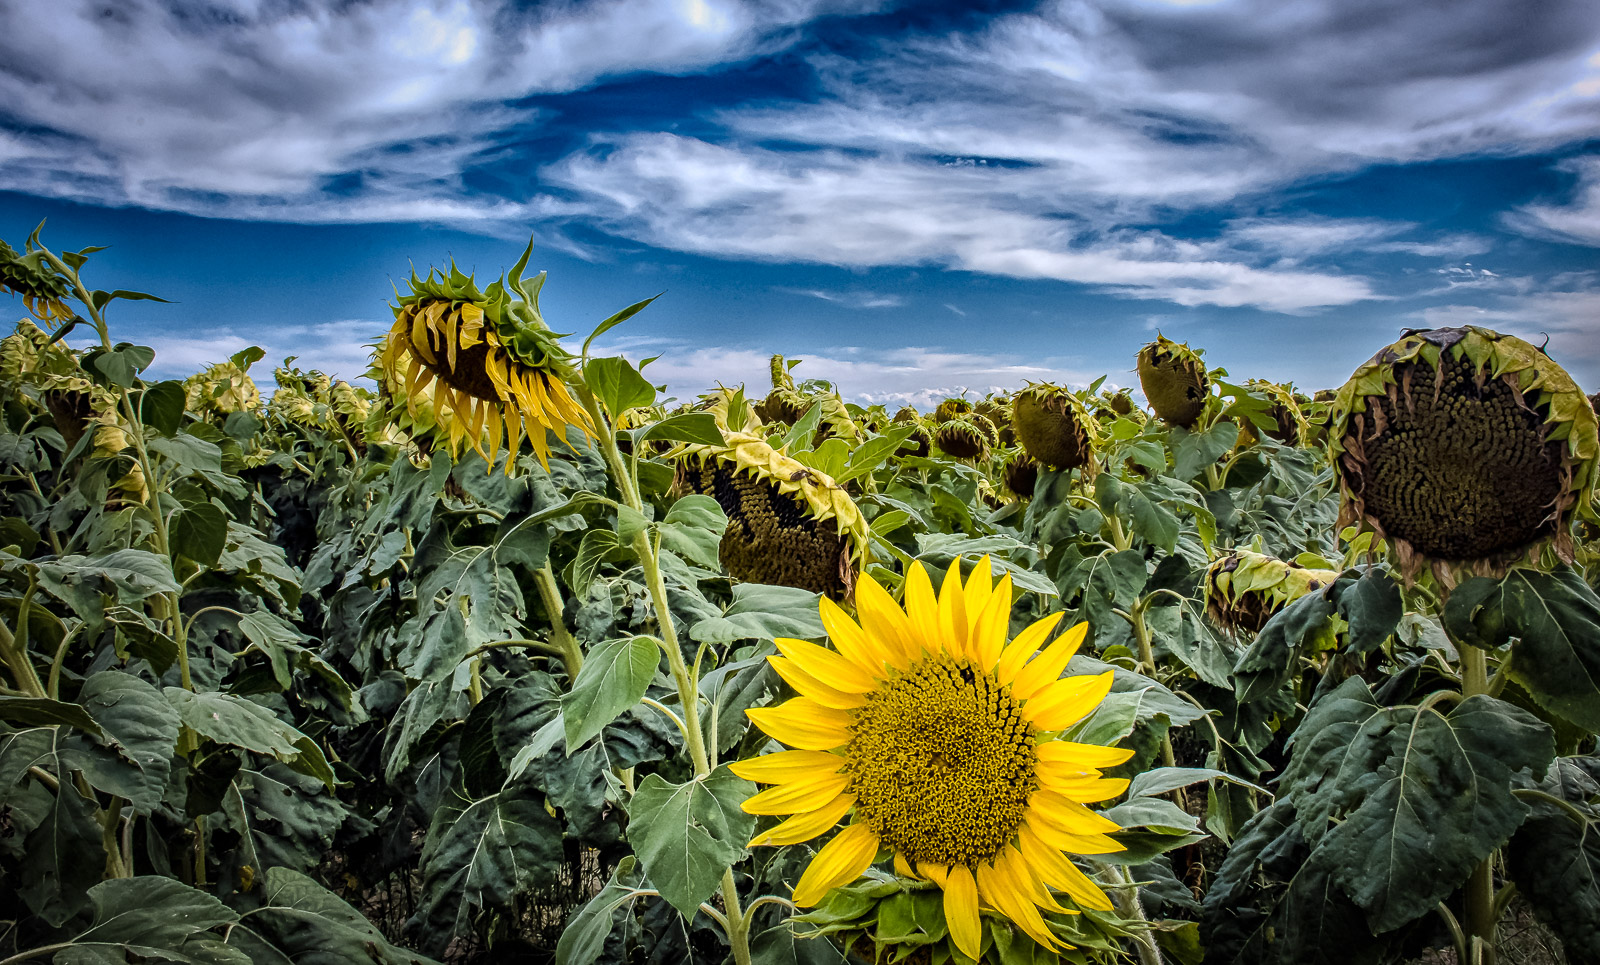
{"points": [[550, 595], [1480, 917], [1127, 900]]}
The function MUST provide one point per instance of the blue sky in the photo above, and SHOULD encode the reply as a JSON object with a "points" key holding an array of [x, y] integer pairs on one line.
{"points": [[916, 198]]}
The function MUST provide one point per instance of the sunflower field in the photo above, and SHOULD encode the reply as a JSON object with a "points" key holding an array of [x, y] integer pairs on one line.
{"points": [[514, 660]]}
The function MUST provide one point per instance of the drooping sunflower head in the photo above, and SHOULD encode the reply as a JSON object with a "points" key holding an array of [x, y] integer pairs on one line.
{"points": [[43, 288], [221, 389], [907, 413], [951, 409], [939, 739], [496, 368], [1244, 588], [1462, 447], [1020, 476], [788, 524], [1054, 427], [962, 438], [54, 371], [919, 443], [1289, 424], [1173, 377]]}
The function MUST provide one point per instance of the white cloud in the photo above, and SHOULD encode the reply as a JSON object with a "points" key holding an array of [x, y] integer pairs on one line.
{"points": [[848, 299], [320, 112], [1569, 316], [339, 348], [1577, 222], [913, 375]]}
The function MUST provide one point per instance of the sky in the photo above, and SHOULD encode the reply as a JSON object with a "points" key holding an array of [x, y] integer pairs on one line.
{"points": [[919, 199]]}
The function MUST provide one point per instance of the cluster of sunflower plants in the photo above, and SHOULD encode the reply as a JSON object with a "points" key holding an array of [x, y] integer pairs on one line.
{"points": [[514, 659]]}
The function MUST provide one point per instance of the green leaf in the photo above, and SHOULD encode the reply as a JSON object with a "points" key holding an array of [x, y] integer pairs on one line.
{"points": [[614, 677], [693, 529], [1373, 608], [482, 855], [1420, 797], [200, 532], [1194, 451], [246, 357], [799, 435], [585, 936], [698, 427], [616, 320], [596, 547], [149, 912], [131, 575], [161, 407], [871, 454], [618, 385], [1157, 524], [1273, 657], [122, 365], [236, 721], [44, 712], [1160, 780], [762, 612], [630, 523], [302, 922], [1555, 620], [687, 835], [140, 729], [1555, 859]]}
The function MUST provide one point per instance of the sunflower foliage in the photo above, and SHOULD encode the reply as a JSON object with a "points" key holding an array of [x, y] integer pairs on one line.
{"points": [[515, 659]]}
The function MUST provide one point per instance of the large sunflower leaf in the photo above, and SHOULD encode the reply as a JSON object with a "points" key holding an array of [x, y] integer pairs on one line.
{"points": [[687, 835], [140, 729], [302, 922], [761, 612], [1420, 797], [483, 854], [1555, 857], [1554, 619], [614, 677]]}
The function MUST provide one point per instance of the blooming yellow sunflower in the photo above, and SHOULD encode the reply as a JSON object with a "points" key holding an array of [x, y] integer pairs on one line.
{"points": [[492, 361], [941, 740]]}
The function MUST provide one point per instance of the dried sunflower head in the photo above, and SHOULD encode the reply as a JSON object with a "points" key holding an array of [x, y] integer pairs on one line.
{"points": [[495, 368], [919, 443], [788, 524], [1173, 377], [1244, 588], [1054, 427], [1290, 426], [961, 438], [1463, 448], [951, 409], [1020, 475]]}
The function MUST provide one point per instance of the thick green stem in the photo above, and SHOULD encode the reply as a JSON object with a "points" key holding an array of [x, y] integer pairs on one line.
{"points": [[110, 821], [14, 649], [1126, 898], [1480, 918], [1147, 665], [550, 595], [682, 677]]}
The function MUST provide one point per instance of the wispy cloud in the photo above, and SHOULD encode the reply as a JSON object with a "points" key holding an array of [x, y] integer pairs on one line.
{"points": [[1567, 314], [848, 299], [1577, 222], [339, 348]]}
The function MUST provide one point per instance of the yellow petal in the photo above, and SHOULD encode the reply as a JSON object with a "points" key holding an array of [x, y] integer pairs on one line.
{"points": [[827, 665], [1024, 646], [1064, 703], [1058, 872], [805, 794], [1046, 668], [936, 873], [804, 827], [1086, 755], [922, 608], [961, 911], [988, 637], [840, 862], [491, 420], [997, 888], [1016, 867], [979, 586], [810, 686], [802, 722], [1086, 790], [1068, 815], [883, 621], [902, 867], [953, 611], [851, 641], [786, 766], [1067, 841]]}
